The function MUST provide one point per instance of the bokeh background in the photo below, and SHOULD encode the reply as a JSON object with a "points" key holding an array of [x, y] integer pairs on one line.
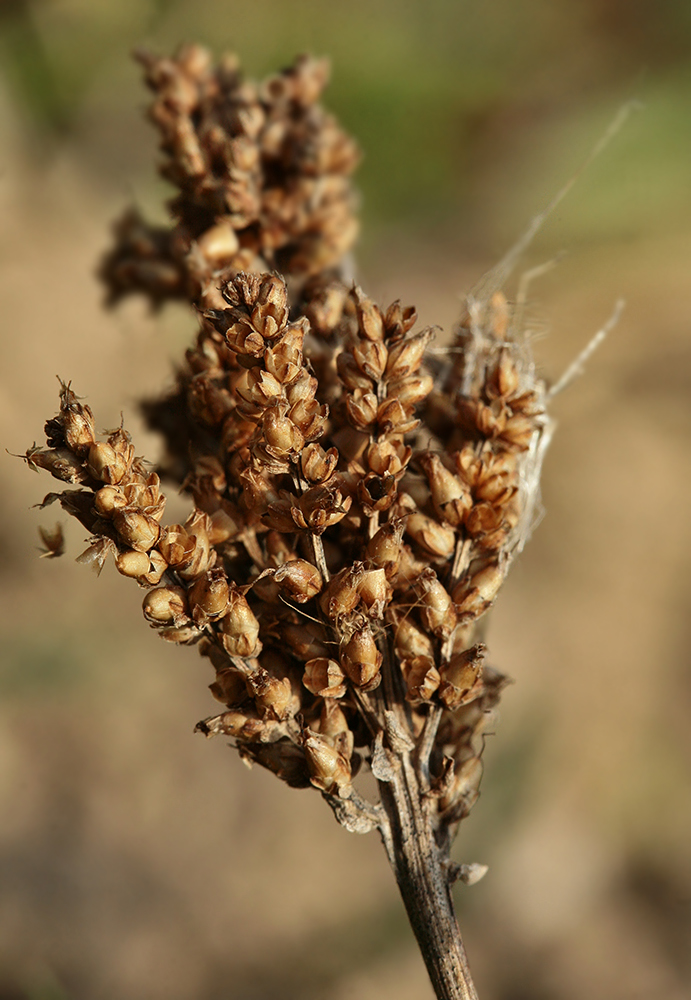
{"points": [[138, 861]]}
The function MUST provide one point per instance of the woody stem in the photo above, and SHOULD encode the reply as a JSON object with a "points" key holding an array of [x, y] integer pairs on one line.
{"points": [[421, 869]]}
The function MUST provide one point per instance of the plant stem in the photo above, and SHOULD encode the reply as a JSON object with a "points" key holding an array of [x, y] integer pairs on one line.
{"points": [[422, 871]]}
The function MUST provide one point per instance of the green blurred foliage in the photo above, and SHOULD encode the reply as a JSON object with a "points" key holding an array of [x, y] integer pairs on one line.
{"points": [[441, 94]]}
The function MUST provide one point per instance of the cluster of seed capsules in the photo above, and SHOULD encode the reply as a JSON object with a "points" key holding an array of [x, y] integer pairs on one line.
{"points": [[357, 499], [263, 179]]}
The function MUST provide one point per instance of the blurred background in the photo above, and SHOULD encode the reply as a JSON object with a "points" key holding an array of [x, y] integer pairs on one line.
{"points": [[136, 859]]}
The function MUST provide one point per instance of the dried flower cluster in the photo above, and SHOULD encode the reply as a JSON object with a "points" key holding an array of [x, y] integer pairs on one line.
{"points": [[262, 173], [357, 501]]}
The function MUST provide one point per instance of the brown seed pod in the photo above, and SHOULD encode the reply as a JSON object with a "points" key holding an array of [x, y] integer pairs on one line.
{"points": [[166, 606]]}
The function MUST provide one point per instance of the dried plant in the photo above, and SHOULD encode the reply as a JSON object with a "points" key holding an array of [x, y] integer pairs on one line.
{"points": [[358, 501]]}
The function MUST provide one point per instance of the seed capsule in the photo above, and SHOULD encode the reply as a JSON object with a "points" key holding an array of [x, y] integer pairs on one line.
{"points": [[384, 548], [341, 594], [60, 462], [77, 421], [361, 408], [236, 724], [299, 580], [105, 463], [504, 380], [329, 769], [409, 640], [272, 696], [157, 567], [462, 677], [411, 390], [138, 530], [318, 465], [437, 539], [133, 563], [376, 493], [240, 628], [208, 596], [422, 678], [306, 641], [375, 592], [165, 606], [109, 499], [518, 431], [361, 660], [437, 610], [369, 316], [472, 598], [370, 357], [180, 633], [333, 726], [324, 677], [388, 457], [451, 497], [405, 357], [259, 387]]}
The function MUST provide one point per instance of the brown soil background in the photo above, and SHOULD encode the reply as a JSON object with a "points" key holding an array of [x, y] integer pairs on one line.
{"points": [[138, 861]]}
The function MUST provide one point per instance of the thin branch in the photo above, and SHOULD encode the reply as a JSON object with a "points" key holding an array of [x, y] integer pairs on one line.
{"points": [[577, 365]]}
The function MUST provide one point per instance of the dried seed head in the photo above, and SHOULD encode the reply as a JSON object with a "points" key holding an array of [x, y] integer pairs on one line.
{"points": [[462, 677], [451, 497], [409, 640], [318, 465], [422, 678], [293, 576], [473, 597], [436, 607], [76, 423], [208, 596], [60, 462], [324, 677], [105, 463], [299, 580], [166, 606], [239, 627], [384, 548], [109, 499], [138, 530], [341, 595], [405, 357], [272, 696], [133, 563], [329, 769], [375, 592], [361, 660], [437, 539]]}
